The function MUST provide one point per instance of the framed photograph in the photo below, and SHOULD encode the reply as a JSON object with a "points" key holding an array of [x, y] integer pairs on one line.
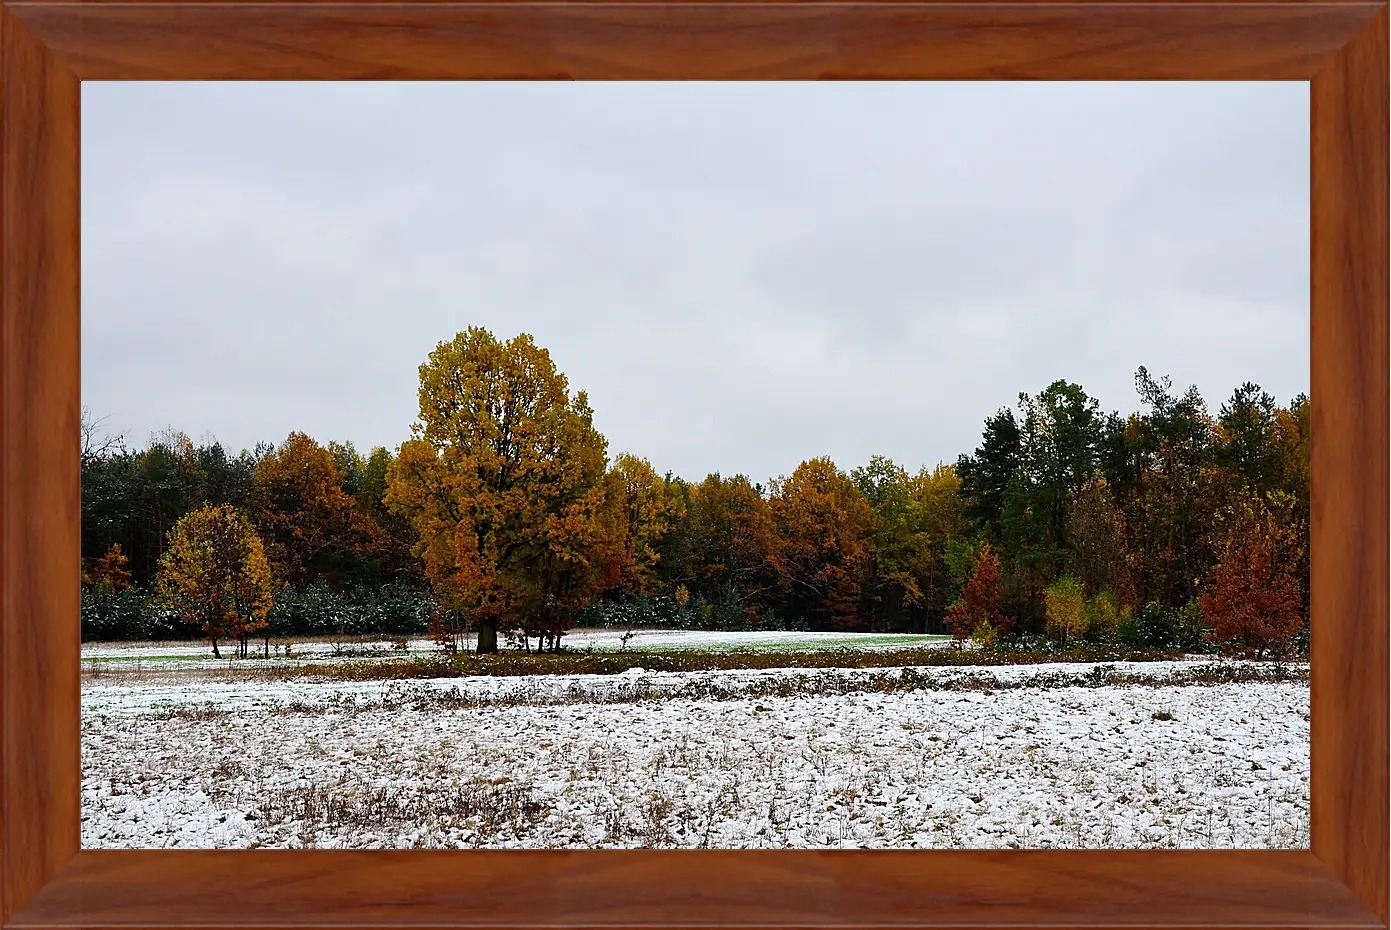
{"points": [[653, 625]]}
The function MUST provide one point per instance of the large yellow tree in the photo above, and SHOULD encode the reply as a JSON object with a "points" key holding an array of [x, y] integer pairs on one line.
{"points": [[214, 573], [503, 482]]}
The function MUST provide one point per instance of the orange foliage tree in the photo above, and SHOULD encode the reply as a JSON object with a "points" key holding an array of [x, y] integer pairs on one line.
{"points": [[728, 535], [822, 553], [112, 571], [1255, 596], [301, 510]]}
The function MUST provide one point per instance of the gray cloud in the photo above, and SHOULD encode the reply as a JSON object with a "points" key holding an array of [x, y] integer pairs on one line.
{"points": [[741, 275]]}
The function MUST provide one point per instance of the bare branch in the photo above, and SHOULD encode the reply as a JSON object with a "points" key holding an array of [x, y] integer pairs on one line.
{"points": [[96, 442]]}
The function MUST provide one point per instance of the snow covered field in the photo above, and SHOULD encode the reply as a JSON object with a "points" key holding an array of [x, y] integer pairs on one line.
{"points": [[117, 657], [1022, 756]]}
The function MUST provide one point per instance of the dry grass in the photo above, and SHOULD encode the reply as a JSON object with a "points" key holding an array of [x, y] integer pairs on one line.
{"points": [[816, 683], [360, 665], [488, 808], [504, 664], [338, 777]]}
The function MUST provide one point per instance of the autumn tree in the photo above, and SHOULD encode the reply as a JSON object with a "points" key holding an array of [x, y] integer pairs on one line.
{"points": [[1066, 608], [914, 520], [301, 510], [214, 573], [1105, 613], [112, 571], [1292, 440], [898, 545], [1262, 447], [503, 483], [942, 528], [822, 551], [1099, 543], [131, 497], [979, 604], [384, 539], [720, 551], [1255, 594], [642, 508]]}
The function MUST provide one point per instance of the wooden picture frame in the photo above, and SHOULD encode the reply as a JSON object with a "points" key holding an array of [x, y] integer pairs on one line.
{"points": [[47, 47]]}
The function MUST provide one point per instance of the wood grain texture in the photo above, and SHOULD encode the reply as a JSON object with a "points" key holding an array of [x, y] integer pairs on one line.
{"points": [[172, 40], [45, 46], [39, 413], [1349, 466], [693, 889]]}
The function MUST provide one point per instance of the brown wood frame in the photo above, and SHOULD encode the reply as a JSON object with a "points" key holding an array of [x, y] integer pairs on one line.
{"points": [[48, 46]]}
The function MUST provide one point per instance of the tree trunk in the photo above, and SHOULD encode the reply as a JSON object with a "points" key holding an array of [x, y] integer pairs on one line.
{"points": [[487, 636], [216, 654]]}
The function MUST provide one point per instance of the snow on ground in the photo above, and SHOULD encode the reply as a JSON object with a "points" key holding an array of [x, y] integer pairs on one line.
{"points": [[769, 640], [198, 654], [102, 697], [767, 758]]}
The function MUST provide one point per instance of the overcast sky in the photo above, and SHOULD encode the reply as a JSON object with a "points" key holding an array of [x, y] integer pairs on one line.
{"points": [[741, 275]]}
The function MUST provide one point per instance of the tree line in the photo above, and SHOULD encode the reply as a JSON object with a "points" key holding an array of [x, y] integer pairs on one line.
{"points": [[504, 514]]}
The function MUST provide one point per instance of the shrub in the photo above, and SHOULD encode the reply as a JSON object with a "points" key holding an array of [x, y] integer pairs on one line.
{"points": [[1151, 627], [985, 636], [1104, 614], [1026, 644], [1191, 630], [668, 612], [114, 614], [397, 609], [447, 629], [316, 610]]}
